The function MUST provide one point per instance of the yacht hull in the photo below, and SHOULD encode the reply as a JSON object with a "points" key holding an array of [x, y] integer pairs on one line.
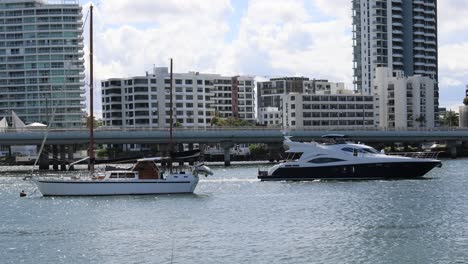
{"points": [[367, 171], [109, 187]]}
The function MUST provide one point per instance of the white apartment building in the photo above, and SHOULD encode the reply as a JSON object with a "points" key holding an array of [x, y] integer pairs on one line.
{"points": [[41, 61], [398, 34], [324, 87], [342, 110], [404, 102], [278, 99], [463, 112], [270, 98], [144, 101], [234, 96], [270, 116]]}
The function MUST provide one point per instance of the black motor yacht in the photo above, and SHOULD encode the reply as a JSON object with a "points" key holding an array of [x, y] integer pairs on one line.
{"points": [[340, 159]]}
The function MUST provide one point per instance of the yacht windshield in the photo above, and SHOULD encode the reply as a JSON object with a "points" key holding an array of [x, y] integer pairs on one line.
{"points": [[348, 149], [360, 150], [293, 156], [370, 150]]}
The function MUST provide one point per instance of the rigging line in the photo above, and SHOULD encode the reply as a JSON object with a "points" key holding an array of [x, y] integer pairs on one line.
{"points": [[44, 140], [86, 18]]}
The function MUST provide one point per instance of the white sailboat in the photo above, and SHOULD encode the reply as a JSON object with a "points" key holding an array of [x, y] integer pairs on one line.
{"points": [[146, 176]]}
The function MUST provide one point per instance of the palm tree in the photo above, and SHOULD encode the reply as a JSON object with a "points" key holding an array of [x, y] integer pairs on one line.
{"points": [[450, 118], [421, 119]]}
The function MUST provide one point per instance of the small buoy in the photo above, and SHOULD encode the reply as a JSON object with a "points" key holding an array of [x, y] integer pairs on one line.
{"points": [[22, 194]]}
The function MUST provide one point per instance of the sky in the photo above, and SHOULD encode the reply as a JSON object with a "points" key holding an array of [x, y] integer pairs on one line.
{"points": [[262, 38]]}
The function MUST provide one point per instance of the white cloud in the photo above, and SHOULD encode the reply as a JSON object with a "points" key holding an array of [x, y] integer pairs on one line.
{"points": [[454, 58], [453, 16], [335, 8], [191, 32], [279, 38], [311, 38], [449, 82], [162, 11]]}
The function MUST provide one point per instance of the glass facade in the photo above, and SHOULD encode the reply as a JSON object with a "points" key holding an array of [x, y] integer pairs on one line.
{"points": [[41, 61]]}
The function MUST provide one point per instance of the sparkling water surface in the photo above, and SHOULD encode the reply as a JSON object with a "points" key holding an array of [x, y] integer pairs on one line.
{"points": [[234, 218]]}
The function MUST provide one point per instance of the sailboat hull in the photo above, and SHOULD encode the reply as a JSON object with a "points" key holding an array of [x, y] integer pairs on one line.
{"points": [[112, 187]]}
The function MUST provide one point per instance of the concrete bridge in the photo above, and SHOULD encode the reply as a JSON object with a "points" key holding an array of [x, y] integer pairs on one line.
{"points": [[227, 137], [236, 135]]}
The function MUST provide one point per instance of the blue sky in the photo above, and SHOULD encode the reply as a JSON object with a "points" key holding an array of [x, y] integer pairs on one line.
{"points": [[309, 38]]}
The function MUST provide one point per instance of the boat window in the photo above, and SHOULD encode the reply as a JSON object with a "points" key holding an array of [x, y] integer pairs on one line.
{"points": [[369, 150], [325, 160], [294, 155], [347, 149], [113, 175]]}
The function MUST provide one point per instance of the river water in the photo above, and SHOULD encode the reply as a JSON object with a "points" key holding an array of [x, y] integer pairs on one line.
{"points": [[234, 218]]}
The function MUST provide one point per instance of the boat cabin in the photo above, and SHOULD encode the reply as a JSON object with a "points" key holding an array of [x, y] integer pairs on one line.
{"points": [[147, 169], [144, 169]]}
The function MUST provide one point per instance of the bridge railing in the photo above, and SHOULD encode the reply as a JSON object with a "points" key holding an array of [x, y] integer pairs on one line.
{"points": [[255, 128], [420, 155]]}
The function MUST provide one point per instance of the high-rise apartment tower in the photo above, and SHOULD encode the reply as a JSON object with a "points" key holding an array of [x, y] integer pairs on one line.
{"points": [[398, 34], [41, 61]]}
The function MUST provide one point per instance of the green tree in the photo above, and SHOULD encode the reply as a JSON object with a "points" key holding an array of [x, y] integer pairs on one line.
{"points": [[421, 119], [257, 149], [465, 101], [96, 123], [450, 119], [229, 122]]}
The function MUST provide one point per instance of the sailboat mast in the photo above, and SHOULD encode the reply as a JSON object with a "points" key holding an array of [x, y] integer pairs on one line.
{"points": [[91, 97], [171, 143]]}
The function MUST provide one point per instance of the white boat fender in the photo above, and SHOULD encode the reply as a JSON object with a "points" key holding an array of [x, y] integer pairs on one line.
{"points": [[204, 170]]}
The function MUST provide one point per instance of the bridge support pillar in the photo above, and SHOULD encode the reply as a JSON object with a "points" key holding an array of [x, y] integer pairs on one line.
{"points": [[55, 157], [70, 156], [227, 157], [453, 147], [44, 159], [227, 145], [464, 149], [63, 164]]}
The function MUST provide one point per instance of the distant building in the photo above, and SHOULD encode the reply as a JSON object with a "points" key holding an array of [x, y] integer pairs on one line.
{"points": [[463, 112], [341, 110], [234, 97], [398, 34], [296, 102], [41, 61], [270, 116], [463, 116], [323, 87], [404, 102], [270, 94], [144, 101]]}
